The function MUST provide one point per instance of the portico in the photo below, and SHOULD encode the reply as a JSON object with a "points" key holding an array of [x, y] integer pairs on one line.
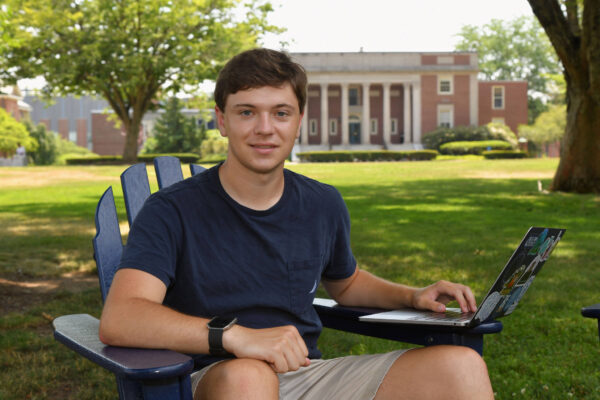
{"points": [[355, 112], [369, 101]]}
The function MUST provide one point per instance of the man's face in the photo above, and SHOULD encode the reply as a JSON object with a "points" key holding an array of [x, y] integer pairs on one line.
{"points": [[262, 125]]}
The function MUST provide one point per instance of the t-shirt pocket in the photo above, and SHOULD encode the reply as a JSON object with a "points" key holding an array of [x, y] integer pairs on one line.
{"points": [[304, 280]]}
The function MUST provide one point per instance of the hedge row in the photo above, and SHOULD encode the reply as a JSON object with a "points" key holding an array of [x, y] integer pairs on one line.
{"points": [[118, 160], [497, 154], [473, 147], [377, 155]]}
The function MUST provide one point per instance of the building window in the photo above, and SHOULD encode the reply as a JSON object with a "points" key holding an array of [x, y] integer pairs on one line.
{"points": [[498, 97], [445, 85], [333, 124], [498, 120], [394, 126], [353, 96], [73, 136], [312, 127], [446, 116], [373, 126]]}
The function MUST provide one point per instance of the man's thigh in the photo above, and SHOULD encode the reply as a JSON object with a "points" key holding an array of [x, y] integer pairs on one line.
{"points": [[348, 378]]}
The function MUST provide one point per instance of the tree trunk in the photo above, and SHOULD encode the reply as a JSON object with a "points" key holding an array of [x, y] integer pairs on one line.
{"points": [[576, 39], [132, 133], [579, 167]]}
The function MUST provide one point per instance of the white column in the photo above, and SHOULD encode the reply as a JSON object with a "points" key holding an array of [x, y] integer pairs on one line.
{"points": [[407, 113], [386, 114], [304, 126], [344, 100], [365, 131], [416, 112], [324, 114], [473, 99]]}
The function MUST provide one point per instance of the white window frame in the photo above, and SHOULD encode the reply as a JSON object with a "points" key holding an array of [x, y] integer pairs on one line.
{"points": [[333, 126], [502, 98], [445, 109], [313, 127], [373, 126], [394, 126], [445, 78]]}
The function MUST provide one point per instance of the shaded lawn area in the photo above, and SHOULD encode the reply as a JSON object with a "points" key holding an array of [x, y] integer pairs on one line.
{"points": [[413, 223]]}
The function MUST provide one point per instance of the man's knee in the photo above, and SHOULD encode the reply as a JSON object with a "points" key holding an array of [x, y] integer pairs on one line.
{"points": [[239, 378], [461, 359]]}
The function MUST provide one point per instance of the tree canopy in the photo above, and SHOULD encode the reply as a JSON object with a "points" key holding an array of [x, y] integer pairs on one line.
{"points": [[13, 134], [173, 132], [512, 50], [573, 27], [515, 50], [130, 52]]}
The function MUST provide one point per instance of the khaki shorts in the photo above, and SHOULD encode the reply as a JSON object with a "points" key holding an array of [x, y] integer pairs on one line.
{"points": [[347, 378]]}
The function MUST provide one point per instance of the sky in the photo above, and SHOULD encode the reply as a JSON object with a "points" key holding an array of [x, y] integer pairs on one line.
{"points": [[383, 25], [376, 25]]}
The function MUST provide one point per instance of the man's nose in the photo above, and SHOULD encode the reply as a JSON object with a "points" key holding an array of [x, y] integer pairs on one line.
{"points": [[265, 124]]}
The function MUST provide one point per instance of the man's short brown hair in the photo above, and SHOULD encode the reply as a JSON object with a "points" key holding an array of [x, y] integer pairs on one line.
{"points": [[258, 68]]}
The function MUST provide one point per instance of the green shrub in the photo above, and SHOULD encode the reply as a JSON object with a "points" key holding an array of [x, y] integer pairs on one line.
{"points": [[491, 131], [214, 146], [376, 155], [47, 151], [68, 149], [183, 157], [498, 154], [13, 133], [476, 147], [118, 160]]}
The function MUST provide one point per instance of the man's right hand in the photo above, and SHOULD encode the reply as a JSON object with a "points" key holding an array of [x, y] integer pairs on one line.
{"points": [[281, 347]]}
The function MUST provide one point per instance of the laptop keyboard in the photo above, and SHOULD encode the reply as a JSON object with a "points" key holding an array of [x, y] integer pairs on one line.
{"points": [[445, 316]]}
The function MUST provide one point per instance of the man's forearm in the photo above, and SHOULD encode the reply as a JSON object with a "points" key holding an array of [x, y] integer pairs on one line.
{"points": [[145, 324], [368, 290]]}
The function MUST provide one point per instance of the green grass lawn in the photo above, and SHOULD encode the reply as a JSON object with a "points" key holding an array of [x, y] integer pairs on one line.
{"points": [[413, 223]]}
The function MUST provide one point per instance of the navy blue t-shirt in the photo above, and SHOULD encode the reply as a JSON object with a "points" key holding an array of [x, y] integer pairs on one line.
{"points": [[217, 257]]}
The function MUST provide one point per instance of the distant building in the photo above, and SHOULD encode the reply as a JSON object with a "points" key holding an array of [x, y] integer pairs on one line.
{"points": [[86, 121], [12, 101], [390, 100]]}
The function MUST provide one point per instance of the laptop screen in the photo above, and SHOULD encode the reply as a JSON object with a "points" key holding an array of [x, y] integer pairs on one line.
{"points": [[525, 263]]}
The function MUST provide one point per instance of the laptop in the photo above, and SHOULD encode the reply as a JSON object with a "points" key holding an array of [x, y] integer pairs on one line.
{"points": [[502, 299]]}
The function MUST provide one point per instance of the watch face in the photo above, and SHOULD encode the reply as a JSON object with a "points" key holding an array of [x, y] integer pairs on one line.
{"points": [[220, 322]]}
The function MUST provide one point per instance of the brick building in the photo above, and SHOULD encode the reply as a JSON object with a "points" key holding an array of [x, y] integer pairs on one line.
{"points": [[11, 100], [389, 100]]}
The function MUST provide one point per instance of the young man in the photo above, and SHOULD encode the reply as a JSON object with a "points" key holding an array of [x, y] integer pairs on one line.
{"points": [[248, 242]]}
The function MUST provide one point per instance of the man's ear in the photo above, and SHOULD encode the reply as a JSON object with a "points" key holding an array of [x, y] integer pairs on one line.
{"points": [[220, 121], [300, 126]]}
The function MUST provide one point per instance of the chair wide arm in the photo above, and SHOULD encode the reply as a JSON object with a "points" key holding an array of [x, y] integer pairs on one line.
{"points": [[79, 332], [591, 311], [346, 319]]}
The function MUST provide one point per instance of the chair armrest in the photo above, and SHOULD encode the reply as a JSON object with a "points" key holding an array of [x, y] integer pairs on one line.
{"points": [[591, 311], [79, 332], [346, 319]]}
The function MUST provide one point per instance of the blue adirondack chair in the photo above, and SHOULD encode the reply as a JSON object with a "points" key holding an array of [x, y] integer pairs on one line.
{"points": [[164, 374], [592, 312]]}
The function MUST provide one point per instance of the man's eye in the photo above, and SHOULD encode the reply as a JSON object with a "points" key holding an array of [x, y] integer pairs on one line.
{"points": [[282, 113]]}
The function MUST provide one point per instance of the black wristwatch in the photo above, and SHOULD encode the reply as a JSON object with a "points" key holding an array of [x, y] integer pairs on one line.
{"points": [[216, 327]]}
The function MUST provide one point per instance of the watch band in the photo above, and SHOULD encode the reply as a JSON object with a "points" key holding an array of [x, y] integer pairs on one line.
{"points": [[216, 327]]}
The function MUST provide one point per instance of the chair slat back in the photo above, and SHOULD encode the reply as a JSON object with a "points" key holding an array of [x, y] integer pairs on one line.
{"points": [[196, 169], [136, 189], [107, 243], [168, 171]]}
